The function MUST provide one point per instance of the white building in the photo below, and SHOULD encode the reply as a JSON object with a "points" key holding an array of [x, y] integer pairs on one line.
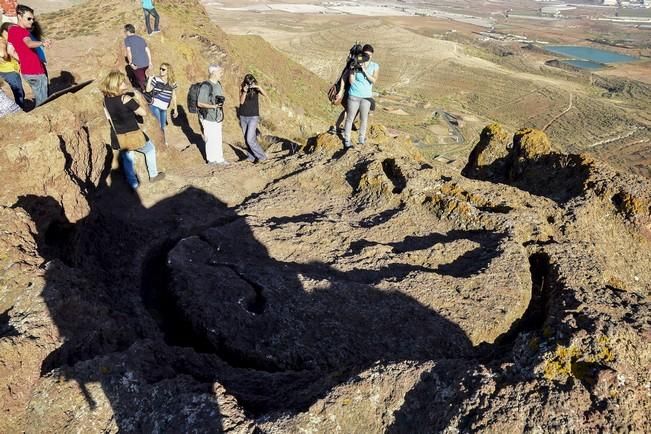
{"points": [[610, 3]]}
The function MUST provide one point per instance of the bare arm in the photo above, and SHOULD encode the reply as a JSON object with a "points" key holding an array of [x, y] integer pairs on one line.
{"points": [[12, 52], [243, 95], [3, 49], [262, 92], [35, 44], [372, 77], [149, 56], [207, 106], [173, 102], [129, 57], [150, 84]]}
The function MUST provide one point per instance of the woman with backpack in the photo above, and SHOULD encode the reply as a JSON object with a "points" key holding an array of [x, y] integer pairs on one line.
{"points": [[121, 110], [360, 93], [249, 113], [162, 89]]}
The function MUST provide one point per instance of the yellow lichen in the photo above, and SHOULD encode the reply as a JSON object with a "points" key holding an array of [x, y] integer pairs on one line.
{"points": [[560, 365], [494, 131], [530, 142], [604, 353]]}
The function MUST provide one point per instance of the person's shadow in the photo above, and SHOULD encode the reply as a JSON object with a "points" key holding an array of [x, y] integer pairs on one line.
{"points": [[157, 304], [182, 121]]}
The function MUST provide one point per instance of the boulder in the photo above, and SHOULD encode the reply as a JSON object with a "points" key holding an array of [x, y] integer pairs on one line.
{"points": [[489, 157]]}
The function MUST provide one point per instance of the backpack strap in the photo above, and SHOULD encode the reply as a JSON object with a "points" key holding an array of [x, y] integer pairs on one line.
{"points": [[108, 116]]}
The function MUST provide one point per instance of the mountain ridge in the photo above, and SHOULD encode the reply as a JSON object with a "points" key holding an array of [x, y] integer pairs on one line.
{"points": [[371, 290]]}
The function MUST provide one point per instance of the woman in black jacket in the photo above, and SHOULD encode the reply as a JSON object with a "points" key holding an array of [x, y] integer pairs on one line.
{"points": [[122, 109]]}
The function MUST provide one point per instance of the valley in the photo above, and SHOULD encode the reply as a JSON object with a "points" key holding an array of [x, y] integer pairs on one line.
{"points": [[439, 58]]}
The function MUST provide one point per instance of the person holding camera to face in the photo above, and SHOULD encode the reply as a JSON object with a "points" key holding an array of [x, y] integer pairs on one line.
{"points": [[211, 114], [363, 74], [249, 113]]}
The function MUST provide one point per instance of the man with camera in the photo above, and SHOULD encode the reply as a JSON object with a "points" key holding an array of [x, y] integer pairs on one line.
{"points": [[363, 73], [210, 103]]}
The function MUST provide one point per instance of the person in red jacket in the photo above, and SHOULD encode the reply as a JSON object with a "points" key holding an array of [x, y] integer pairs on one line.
{"points": [[31, 67]]}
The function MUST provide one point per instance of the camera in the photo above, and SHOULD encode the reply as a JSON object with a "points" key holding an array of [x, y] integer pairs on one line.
{"points": [[250, 80], [357, 56], [219, 99]]}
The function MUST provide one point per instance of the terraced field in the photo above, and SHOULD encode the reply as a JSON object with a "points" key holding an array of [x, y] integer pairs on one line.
{"points": [[423, 69]]}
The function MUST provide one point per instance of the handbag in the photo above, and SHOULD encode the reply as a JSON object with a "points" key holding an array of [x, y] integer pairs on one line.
{"points": [[127, 141], [335, 93], [148, 96], [132, 140]]}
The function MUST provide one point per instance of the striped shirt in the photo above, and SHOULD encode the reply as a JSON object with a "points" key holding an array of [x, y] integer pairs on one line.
{"points": [[162, 93]]}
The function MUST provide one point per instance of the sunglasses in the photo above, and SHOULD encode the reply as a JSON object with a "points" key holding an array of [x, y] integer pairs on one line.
{"points": [[30, 18], [163, 69]]}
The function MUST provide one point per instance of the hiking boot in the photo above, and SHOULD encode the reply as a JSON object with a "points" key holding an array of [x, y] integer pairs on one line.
{"points": [[158, 177]]}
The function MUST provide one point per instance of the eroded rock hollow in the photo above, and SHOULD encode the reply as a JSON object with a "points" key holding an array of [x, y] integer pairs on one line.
{"points": [[366, 291]]}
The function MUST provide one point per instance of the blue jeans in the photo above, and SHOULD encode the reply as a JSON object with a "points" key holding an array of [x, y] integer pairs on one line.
{"points": [[16, 85], [160, 115], [153, 13], [38, 83], [249, 125], [128, 163]]}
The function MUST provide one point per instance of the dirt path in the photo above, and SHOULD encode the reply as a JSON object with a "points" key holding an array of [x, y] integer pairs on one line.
{"points": [[557, 117]]}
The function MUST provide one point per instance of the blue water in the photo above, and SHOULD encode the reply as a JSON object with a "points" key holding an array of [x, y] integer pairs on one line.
{"points": [[590, 54], [584, 64]]}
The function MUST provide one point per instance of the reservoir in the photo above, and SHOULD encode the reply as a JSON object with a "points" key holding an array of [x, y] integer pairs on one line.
{"points": [[588, 57]]}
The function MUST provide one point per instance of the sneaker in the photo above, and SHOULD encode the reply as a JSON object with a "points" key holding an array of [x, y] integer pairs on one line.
{"points": [[155, 31], [348, 145], [158, 177], [361, 141], [332, 130]]}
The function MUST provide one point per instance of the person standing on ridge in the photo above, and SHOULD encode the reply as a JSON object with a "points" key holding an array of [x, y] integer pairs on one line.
{"points": [[150, 11], [249, 113], [163, 91], [138, 55], [31, 66], [361, 81], [8, 8], [121, 109], [9, 67], [211, 114]]}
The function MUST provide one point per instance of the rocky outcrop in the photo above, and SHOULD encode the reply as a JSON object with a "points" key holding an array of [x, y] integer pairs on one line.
{"points": [[488, 159], [361, 291]]}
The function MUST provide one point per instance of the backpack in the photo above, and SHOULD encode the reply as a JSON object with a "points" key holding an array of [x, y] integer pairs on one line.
{"points": [[193, 96]]}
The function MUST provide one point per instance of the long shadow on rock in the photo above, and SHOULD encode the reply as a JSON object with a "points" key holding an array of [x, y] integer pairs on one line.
{"points": [[559, 177], [170, 299], [110, 332], [182, 121], [6, 330], [299, 342], [471, 262]]}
